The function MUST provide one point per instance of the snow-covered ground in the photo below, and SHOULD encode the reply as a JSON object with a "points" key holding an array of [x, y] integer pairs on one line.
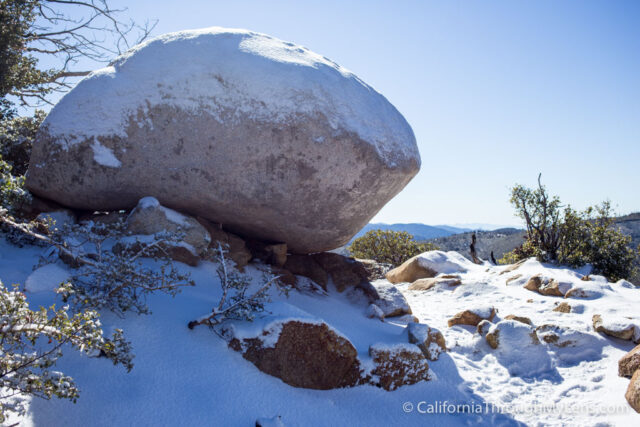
{"points": [[190, 377]]}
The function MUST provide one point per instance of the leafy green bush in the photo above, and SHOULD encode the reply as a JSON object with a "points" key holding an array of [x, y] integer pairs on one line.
{"points": [[387, 246], [16, 139], [570, 237]]}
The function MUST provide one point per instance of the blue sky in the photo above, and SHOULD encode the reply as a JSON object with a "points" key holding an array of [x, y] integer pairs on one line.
{"points": [[495, 92]]}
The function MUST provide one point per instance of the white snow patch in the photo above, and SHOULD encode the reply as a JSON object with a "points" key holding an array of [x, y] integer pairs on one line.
{"points": [[517, 351], [46, 278], [104, 156]]}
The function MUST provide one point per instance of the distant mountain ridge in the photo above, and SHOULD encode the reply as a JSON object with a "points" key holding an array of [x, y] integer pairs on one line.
{"points": [[418, 231]]}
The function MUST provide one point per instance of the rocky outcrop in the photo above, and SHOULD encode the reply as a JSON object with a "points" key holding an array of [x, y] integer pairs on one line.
{"points": [[629, 363], [306, 355], [428, 339], [398, 365], [273, 141], [472, 317]]}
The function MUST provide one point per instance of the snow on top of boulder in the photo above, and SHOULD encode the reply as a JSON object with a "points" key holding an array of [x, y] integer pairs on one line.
{"points": [[216, 69], [173, 216], [446, 262], [483, 311], [148, 202]]}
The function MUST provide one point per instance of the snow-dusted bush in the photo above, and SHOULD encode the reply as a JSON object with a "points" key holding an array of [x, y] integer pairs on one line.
{"points": [[32, 342], [237, 302], [106, 274], [387, 246], [114, 276], [570, 237]]}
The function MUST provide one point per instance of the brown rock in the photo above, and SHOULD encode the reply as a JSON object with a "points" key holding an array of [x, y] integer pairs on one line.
{"points": [[304, 265], [410, 271], [305, 355], [236, 247], [428, 339], [556, 335], [423, 284], [534, 283], [269, 253], [563, 308], [493, 338], [426, 284], [629, 363], [552, 288], [633, 392], [398, 366], [520, 319], [345, 272], [483, 327], [622, 333], [468, 317], [285, 276]]}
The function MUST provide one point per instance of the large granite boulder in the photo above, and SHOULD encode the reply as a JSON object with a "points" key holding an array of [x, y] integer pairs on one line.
{"points": [[265, 137]]}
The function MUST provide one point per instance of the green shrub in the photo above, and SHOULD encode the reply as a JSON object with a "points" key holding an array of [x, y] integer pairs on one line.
{"points": [[16, 139], [569, 237], [389, 247]]}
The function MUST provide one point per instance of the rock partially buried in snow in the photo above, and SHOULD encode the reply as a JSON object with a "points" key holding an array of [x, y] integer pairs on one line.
{"points": [[472, 317], [621, 328], [428, 339], [398, 365], [430, 264], [391, 301], [269, 139], [518, 349], [426, 284], [150, 218]]}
